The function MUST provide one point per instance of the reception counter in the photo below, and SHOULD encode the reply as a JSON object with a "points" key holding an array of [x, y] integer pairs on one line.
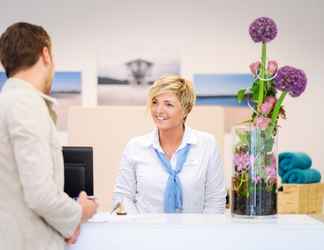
{"points": [[196, 231]]}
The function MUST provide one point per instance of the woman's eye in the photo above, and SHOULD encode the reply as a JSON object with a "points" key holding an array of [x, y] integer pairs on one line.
{"points": [[169, 105]]}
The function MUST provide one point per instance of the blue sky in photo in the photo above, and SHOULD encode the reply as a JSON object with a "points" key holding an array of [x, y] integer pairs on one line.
{"points": [[220, 89], [228, 101], [64, 81], [220, 84]]}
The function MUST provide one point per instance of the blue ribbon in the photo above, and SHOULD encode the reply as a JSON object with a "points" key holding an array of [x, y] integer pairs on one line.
{"points": [[173, 201]]}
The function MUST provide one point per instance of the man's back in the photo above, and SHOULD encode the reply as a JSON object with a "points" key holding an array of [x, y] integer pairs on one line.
{"points": [[25, 125], [9, 185], [35, 213]]}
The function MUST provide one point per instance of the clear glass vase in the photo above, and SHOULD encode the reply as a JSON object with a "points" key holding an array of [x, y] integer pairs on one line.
{"points": [[254, 175]]}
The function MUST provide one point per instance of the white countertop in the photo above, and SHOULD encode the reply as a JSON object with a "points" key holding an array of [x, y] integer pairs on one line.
{"points": [[197, 231]]}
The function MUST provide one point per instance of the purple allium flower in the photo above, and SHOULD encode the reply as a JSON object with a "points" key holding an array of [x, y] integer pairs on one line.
{"points": [[254, 67], [263, 29], [268, 104], [272, 67], [291, 80], [262, 122], [241, 161]]}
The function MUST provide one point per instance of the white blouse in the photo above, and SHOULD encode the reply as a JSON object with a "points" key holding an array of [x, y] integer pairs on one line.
{"points": [[142, 179]]}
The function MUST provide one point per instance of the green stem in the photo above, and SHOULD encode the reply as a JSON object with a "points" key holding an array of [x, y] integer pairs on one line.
{"points": [[276, 109], [262, 74], [244, 178]]}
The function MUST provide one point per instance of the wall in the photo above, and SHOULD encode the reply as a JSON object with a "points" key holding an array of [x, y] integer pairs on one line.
{"points": [[209, 36], [108, 148]]}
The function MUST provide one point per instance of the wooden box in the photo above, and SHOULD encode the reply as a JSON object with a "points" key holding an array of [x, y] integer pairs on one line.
{"points": [[301, 198]]}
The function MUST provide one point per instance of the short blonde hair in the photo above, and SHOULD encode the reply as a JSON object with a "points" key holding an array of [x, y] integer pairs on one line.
{"points": [[181, 87]]}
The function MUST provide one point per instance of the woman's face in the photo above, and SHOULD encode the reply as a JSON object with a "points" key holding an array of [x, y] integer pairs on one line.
{"points": [[167, 112]]}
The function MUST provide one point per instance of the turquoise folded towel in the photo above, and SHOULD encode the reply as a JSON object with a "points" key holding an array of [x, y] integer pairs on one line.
{"points": [[293, 160], [302, 176]]}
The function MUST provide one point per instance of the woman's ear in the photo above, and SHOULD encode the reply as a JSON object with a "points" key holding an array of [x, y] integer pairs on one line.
{"points": [[185, 117]]}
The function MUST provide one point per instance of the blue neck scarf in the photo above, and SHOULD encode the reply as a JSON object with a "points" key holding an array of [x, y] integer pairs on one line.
{"points": [[173, 201]]}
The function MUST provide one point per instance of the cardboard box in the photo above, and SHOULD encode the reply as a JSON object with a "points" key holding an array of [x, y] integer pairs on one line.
{"points": [[300, 198]]}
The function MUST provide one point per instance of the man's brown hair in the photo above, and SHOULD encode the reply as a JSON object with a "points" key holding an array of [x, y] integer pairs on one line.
{"points": [[21, 45]]}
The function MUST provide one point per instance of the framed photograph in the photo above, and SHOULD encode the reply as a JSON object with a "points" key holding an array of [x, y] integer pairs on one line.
{"points": [[66, 88], [127, 82], [220, 89]]}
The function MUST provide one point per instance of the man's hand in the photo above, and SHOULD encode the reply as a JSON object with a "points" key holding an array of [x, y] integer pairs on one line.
{"points": [[73, 239], [89, 207]]}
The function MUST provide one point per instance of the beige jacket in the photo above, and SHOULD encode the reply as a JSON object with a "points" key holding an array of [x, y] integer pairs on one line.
{"points": [[35, 213]]}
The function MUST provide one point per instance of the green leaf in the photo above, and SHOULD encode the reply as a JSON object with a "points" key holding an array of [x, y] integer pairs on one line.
{"points": [[240, 95], [244, 137], [255, 91], [268, 144]]}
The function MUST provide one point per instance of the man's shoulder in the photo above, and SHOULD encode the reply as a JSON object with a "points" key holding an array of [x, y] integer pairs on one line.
{"points": [[20, 96], [15, 103]]}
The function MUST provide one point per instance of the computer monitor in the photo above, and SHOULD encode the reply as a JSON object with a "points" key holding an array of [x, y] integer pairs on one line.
{"points": [[78, 170]]}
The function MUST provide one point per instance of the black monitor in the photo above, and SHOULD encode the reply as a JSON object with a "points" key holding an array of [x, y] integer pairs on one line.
{"points": [[78, 170]]}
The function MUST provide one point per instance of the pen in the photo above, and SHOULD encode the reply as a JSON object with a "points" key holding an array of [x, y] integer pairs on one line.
{"points": [[119, 208], [115, 207]]}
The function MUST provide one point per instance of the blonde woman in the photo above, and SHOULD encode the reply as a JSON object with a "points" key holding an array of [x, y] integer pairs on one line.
{"points": [[173, 169]]}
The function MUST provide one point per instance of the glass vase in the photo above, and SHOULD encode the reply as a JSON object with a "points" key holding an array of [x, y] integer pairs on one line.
{"points": [[254, 174]]}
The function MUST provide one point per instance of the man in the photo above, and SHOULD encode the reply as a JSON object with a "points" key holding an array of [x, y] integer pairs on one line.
{"points": [[35, 213]]}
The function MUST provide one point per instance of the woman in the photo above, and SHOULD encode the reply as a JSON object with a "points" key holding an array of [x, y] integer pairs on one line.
{"points": [[174, 168]]}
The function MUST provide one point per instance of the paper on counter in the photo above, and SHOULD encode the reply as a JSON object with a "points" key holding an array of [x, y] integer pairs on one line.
{"points": [[111, 218]]}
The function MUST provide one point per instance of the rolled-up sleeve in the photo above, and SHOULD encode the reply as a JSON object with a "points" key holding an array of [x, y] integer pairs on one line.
{"points": [[125, 188], [215, 191], [29, 129]]}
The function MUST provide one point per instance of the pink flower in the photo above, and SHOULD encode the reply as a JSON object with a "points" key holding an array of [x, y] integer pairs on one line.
{"points": [[262, 122], [254, 67], [268, 105], [272, 67], [271, 172], [266, 108], [241, 161], [273, 162], [256, 179], [271, 99]]}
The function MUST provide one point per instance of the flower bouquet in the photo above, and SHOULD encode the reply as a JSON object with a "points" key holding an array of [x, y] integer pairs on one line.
{"points": [[254, 178]]}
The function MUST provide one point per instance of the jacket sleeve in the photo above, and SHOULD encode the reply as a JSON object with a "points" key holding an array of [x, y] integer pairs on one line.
{"points": [[125, 188], [215, 191], [30, 133]]}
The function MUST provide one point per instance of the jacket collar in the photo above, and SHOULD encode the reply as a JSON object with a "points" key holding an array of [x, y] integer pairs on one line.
{"points": [[15, 83]]}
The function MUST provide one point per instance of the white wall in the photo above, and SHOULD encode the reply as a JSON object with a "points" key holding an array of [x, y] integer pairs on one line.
{"points": [[108, 149], [208, 35]]}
